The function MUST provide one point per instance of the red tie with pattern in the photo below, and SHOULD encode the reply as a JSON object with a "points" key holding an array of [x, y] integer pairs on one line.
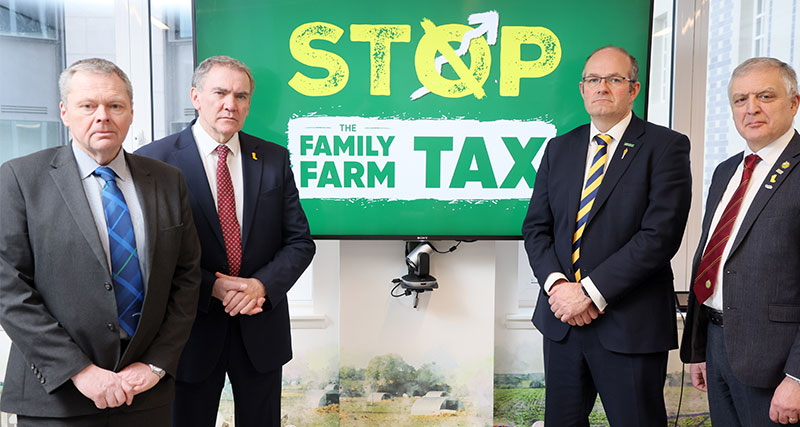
{"points": [[706, 278], [226, 209]]}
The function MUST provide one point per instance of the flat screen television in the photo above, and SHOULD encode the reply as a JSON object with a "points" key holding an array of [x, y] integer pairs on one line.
{"points": [[418, 119]]}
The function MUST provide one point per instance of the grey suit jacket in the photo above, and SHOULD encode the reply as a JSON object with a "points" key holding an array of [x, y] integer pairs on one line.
{"points": [[55, 300], [761, 298]]}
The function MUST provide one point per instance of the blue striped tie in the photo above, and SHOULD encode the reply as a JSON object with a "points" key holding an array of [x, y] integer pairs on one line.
{"points": [[587, 198], [124, 259]]}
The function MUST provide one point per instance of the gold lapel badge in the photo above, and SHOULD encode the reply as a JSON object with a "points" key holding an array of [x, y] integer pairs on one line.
{"points": [[254, 155], [773, 178], [785, 164], [624, 153]]}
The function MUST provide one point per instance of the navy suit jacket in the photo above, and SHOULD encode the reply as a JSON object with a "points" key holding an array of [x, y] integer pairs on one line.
{"points": [[634, 229], [761, 288], [276, 249]]}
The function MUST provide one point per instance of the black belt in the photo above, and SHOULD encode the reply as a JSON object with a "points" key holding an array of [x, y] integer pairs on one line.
{"points": [[714, 316]]}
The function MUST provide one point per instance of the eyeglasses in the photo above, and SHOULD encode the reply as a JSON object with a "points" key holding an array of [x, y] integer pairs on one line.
{"points": [[613, 81]]}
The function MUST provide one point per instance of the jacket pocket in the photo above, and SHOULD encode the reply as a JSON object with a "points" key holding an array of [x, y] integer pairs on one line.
{"points": [[784, 313]]}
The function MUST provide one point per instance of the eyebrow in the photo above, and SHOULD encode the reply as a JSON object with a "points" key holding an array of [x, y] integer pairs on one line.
{"points": [[221, 89]]}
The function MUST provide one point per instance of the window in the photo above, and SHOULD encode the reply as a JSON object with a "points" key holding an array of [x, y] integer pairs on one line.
{"points": [[738, 30]]}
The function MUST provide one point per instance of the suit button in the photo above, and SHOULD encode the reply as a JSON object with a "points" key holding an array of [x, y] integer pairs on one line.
{"points": [[33, 366], [42, 380], [107, 286], [111, 327]]}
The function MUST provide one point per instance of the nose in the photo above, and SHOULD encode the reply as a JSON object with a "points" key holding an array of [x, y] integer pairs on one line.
{"points": [[229, 102], [753, 106], [101, 113]]}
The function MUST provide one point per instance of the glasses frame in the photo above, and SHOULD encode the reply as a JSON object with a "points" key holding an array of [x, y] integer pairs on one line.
{"points": [[585, 81]]}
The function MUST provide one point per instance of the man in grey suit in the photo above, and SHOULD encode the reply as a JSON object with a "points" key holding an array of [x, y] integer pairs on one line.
{"points": [[743, 326], [99, 268]]}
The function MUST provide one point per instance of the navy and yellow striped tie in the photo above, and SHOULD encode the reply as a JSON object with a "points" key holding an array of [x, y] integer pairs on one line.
{"points": [[587, 197]]}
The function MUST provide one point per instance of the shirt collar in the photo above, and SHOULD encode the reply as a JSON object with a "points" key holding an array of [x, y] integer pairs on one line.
{"points": [[770, 153], [87, 165], [206, 144], [616, 131]]}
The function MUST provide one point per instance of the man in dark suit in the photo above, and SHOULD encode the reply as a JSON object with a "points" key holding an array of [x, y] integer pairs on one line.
{"points": [[609, 206], [743, 271], [256, 243], [99, 268]]}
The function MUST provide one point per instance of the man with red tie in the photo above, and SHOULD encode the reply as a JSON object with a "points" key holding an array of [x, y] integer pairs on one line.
{"points": [[743, 324], [255, 244]]}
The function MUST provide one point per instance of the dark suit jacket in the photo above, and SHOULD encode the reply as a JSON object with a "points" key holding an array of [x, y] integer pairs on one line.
{"points": [[54, 302], [761, 293], [276, 249], [634, 229]]}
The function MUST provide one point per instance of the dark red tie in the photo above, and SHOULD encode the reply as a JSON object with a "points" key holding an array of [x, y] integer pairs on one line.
{"points": [[706, 279], [226, 209]]}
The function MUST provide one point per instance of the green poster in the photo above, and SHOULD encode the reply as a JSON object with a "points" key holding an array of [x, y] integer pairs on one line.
{"points": [[417, 118]]}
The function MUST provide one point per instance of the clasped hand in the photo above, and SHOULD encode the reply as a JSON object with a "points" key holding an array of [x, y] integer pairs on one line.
{"points": [[571, 305], [239, 295], [109, 389]]}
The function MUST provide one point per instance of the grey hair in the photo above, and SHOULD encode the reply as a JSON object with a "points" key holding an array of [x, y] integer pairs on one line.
{"points": [[633, 74], [786, 70], [225, 61], [92, 65]]}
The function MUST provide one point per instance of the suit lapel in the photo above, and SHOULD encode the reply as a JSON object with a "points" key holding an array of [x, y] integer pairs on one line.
{"points": [[187, 158], [715, 193], [145, 189], [66, 177], [576, 160], [252, 169], [790, 156], [620, 163]]}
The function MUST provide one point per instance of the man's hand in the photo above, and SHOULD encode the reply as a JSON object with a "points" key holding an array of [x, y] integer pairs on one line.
{"points": [[785, 406], [586, 317], [105, 388], [697, 371], [247, 300], [140, 376], [568, 303]]}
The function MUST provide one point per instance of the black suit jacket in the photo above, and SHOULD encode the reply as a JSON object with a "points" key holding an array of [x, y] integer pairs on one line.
{"points": [[761, 293], [56, 302], [634, 229], [276, 249]]}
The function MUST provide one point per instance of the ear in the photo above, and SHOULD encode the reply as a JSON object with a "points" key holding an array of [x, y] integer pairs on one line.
{"points": [[63, 109], [636, 87], [194, 95]]}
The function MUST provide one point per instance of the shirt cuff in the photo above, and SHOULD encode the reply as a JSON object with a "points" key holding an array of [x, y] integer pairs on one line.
{"points": [[793, 377], [552, 279], [594, 294]]}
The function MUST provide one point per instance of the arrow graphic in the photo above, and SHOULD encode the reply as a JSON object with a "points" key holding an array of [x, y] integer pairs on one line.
{"points": [[488, 24]]}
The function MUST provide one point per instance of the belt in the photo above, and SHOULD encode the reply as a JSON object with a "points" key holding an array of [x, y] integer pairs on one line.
{"points": [[714, 316]]}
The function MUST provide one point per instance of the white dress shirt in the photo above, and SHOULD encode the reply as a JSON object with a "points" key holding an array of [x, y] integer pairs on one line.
{"points": [[615, 133], [207, 147], [769, 155], [93, 187]]}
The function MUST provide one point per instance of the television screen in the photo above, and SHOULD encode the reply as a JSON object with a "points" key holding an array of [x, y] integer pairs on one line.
{"points": [[417, 119]]}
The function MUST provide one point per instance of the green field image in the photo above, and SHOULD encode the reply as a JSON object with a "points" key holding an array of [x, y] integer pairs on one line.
{"points": [[519, 400]]}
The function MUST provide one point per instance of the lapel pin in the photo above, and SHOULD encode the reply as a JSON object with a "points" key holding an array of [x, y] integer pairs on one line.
{"points": [[254, 155], [773, 178], [629, 144], [779, 171], [785, 164], [768, 187], [624, 153]]}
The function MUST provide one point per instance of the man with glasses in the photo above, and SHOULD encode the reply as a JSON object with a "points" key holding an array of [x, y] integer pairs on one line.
{"points": [[607, 214], [743, 325]]}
